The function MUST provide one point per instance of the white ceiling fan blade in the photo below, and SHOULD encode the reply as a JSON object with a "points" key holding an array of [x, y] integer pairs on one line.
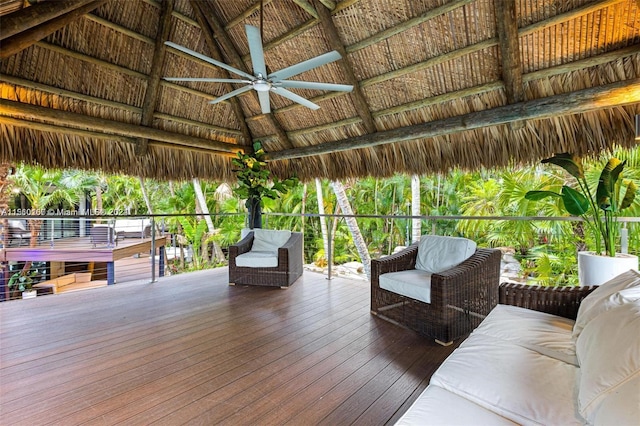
{"points": [[210, 60], [313, 85], [265, 106], [231, 94], [208, 79], [305, 65], [255, 49], [299, 99]]}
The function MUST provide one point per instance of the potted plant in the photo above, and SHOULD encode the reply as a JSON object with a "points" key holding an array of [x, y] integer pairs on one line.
{"points": [[255, 182], [23, 280], [600, 211]]}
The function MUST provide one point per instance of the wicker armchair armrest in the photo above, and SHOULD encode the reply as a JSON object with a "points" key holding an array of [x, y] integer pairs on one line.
{"points": [[241, 246], [401, 261], [475, 279], [561, 301], [291, 251]]}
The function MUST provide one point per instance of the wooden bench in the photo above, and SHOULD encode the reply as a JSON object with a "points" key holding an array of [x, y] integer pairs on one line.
{"points": [[71, 282]]}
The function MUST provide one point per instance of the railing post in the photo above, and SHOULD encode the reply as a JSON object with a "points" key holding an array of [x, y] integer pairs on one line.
{"points": [[329, 254], [153, 250]]}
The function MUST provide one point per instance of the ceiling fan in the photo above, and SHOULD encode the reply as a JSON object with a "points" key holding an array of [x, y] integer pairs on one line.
{"points": [[262, 82]]}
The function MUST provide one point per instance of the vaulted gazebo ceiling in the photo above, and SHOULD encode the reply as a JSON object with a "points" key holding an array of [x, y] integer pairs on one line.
{"points": [[438, 84]]}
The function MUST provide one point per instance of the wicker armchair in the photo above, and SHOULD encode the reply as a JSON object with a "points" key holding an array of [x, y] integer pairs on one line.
{"points": [[561, 301], [289, 267], [460, 297]]}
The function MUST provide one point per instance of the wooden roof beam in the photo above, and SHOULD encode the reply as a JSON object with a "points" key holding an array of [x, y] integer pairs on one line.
{"points": [[507, 25], [472, 91], [235, 60], [616, 94], [37, 14], [357, 96], [207, 32], [20, 41], [94, 124], [153, 81]]}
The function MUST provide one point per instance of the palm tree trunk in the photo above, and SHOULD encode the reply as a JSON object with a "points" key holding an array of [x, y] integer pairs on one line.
{"points": [[323, 220], [352, 224], [203, 204], [416, 228]]}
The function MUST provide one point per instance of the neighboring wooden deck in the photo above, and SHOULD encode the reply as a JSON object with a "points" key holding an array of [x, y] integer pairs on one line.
{"points": [[80, 249], [192, 349]]}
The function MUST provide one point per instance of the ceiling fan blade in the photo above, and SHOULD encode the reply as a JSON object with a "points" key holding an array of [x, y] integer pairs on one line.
{"points": [[299, 99], [313, 85], [265, 106], [255, 49], [208, 79], [210, 60], [231, 94], [305, 65]]}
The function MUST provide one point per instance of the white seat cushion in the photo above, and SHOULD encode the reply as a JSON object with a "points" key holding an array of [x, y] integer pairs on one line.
{"points": [[514, 382], [437, 253], [412, 283], [621, 406], [257, 259], [609, 353], [600, 300], [541, 332], [437, 406]]}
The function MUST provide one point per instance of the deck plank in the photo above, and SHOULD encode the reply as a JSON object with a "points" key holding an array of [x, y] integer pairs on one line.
{"points": [[192, 349]]}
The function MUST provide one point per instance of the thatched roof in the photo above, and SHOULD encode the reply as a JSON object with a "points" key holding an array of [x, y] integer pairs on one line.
{"points": [[438, 84]]}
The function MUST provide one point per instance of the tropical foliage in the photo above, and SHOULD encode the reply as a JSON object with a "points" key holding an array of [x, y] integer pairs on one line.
{"points": [[546, 249]]}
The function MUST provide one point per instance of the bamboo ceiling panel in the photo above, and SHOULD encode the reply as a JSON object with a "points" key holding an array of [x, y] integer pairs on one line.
{"points": [[439, 84]]}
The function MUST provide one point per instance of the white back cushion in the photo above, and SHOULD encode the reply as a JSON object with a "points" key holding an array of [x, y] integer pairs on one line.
{"points": [[437, 253], [269, 239], [604, 298], [608, 350]]}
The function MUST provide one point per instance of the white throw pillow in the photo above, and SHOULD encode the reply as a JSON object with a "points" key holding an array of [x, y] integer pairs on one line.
{"points": [[608, 351], [269, 239], [437, 253], [600, 300]]}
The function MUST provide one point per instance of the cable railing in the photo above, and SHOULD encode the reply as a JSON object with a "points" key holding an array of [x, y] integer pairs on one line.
{"points": [[55, 253]]}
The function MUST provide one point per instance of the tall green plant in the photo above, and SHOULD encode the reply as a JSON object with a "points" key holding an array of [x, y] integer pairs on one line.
{"points": [[255, 182], [600, 209]]}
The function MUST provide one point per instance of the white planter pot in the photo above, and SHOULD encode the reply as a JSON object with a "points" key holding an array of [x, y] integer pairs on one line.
{"points": [[29, 294], [595, 270]]}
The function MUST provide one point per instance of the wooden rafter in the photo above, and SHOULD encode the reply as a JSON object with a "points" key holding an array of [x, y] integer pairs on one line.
{"points": [[595, 98], [507, 25], [359, 101], [153, 82], [235, 60], [39, 13], [213, 48], [20, 41], [69, 119]]}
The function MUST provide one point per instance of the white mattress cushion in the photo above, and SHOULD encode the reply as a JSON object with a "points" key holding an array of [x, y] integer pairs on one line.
{"points": [[541, 332], [437, 406], [600, 300], [621, 406], [609, 353], [257, 259], [269, 239], [514, 382], [412, 283], [437, 253]]}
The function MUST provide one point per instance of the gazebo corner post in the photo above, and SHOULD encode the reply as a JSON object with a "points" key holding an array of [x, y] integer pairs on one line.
{"points": [[329, 253]]}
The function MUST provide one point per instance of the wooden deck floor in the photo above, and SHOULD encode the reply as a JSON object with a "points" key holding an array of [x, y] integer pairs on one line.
{"points": [[191, 349]]}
